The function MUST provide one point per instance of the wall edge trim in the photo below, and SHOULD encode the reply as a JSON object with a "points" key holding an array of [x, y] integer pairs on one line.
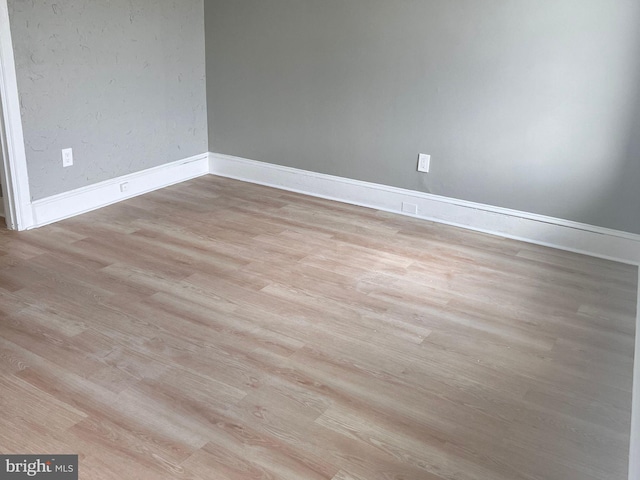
{"points": [[15, 172]]}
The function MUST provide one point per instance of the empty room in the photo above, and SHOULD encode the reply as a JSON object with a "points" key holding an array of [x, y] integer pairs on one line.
{"points": [[320, 239]]}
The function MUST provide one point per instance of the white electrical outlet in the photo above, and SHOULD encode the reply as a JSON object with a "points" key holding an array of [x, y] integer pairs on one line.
{"points": [[424, 163], [67, 157]]}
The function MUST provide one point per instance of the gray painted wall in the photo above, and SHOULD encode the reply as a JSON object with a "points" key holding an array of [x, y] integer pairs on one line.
{"points": [[122, 82], [525, 104]]}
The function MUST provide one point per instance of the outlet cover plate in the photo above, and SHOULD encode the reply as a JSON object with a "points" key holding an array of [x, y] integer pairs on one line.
{"points": [[410, 208], [424, 163], [67, 157]]}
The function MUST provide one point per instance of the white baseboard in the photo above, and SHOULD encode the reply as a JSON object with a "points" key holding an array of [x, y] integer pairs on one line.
{"points": [[538, 229], [92, 197]]}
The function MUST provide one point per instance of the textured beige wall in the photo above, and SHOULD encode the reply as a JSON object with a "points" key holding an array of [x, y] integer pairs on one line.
{"points": [[122, 82]]}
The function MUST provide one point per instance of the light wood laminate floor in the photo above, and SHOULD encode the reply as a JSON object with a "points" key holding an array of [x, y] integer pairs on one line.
{"points": [[219, 330]]}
